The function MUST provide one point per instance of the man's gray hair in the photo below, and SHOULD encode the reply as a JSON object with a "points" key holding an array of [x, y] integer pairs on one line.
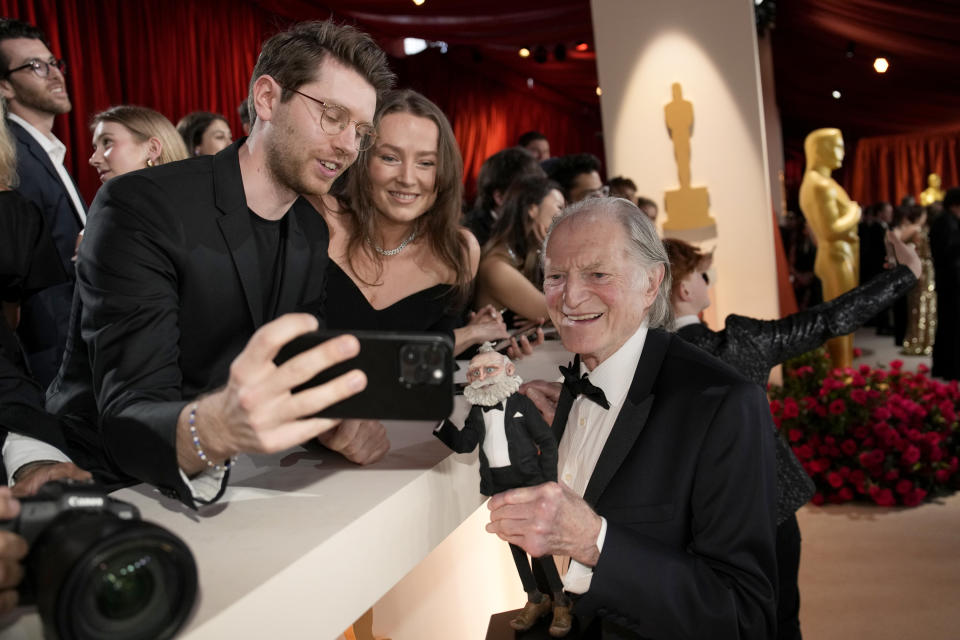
{"points": [[642, 242]]}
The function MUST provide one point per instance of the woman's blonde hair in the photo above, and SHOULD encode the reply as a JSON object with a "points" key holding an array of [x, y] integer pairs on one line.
{"points": [[8, 153], [144, 124]]}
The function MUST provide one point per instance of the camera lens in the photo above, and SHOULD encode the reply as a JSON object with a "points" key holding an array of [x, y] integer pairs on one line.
{"points": [[434, 356], [409, 354], [104, 577], [125, 586]]}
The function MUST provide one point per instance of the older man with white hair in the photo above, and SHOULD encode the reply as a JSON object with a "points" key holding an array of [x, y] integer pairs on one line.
{"points": [[665, 504]]}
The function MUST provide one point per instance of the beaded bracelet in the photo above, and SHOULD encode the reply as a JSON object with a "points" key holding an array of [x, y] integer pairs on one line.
{"points": [[196, 443]]}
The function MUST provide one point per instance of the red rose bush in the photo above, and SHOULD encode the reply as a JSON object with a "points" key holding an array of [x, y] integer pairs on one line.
{"points": [[883, 435]]}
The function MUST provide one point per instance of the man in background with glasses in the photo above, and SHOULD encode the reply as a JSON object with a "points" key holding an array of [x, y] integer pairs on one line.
{"points": [[192, 275], [33, 85]]}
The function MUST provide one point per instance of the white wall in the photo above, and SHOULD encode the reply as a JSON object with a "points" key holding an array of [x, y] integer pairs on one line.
{"points": [[710, 47]]}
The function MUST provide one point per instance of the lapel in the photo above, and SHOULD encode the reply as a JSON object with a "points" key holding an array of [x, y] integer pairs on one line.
{"points": [[296, 258], [34, 148], [236, 228], [632, 417]]}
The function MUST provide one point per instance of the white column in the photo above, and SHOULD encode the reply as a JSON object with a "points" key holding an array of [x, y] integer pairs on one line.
{"points": [[710, 48]]}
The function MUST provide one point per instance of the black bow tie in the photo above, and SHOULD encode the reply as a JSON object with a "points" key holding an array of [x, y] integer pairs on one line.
{"points": [[499, 406], [579, 385]]}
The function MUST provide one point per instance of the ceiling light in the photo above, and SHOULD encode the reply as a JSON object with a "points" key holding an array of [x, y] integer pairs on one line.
{"points": [[835, 94], [418, 2], [413, 46], [599, 91], [582, 46], [880, 65], [524, 52]]}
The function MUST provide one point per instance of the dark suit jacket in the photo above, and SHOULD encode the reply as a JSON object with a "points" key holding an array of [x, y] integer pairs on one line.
{"points": [[45, 316], [530, 442], [753, 347], [686, 481], [168, 295], [945, 247]]}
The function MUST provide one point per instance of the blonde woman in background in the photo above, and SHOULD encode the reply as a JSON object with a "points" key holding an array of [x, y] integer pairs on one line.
{"points": [[127, 138]]}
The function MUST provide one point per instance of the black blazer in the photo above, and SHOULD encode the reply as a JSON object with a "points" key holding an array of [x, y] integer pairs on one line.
{"points": [[753, 347], [45, 317], [686, 481], [530, 442], [168, 295]]}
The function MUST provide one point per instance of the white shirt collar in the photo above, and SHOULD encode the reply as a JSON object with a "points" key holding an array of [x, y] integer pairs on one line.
{"points": [[683, 321], [615, 374], [51, 145]]}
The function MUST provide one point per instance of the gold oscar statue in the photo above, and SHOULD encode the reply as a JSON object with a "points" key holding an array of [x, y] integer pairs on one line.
{"points": [[933, 192], [833, 219], [687, 207]]}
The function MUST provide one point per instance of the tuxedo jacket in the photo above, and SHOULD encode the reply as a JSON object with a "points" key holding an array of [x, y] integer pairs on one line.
{"points": [[168, 294], [45, 316], [686, 482], [753, 347], [530, 443]]}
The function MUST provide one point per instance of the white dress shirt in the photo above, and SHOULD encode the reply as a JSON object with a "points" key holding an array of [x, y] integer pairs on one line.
{"points": [[56, 151], [588, 427], [684, 321], [495, 445], [20, 450]]}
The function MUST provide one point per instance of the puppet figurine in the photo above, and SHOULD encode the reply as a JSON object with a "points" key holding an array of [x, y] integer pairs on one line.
{"points": [[517, 449]]}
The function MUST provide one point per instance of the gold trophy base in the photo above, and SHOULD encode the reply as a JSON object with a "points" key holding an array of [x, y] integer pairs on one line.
{"points": [[688, 209]]}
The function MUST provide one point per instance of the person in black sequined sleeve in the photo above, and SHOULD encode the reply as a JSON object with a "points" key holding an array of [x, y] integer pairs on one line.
{"points": [[754, 347]]}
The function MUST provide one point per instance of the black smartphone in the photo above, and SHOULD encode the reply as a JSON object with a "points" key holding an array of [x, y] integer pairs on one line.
{"points": [[409, 375]]}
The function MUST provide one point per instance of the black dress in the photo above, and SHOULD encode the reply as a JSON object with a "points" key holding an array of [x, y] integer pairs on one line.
{"points": [[431, 309], [945, 247]]}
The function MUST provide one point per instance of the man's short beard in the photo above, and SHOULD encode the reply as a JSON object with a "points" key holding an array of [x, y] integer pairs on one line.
{"points": [[284, 165], [487, 394]]}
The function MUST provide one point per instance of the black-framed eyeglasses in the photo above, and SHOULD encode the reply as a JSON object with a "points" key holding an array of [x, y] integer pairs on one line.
{"points": [[334, 119], [40, 68]]}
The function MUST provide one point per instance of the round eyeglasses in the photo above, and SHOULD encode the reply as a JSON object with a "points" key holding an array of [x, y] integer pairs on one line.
{"points": [[334, 119], [40, 68]]}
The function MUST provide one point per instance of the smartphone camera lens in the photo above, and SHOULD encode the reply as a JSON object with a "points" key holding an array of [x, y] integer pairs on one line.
{"points": [[434, 356], [409, 354]]}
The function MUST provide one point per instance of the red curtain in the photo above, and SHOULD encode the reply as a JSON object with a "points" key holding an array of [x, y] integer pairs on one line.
{"points": [[172, 56], [177, 56], [891, 167]]}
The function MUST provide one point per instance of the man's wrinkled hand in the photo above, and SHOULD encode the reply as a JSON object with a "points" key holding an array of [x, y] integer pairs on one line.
{"points": [[13, 548], [549, 519], [359, 441], [545, 395], [31, 477]]}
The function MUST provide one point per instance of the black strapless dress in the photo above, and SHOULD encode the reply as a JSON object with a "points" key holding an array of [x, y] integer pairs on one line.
{"points": [[431, 309]]}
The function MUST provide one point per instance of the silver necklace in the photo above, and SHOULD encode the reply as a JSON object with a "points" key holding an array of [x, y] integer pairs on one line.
{"points": [[401, 247]]}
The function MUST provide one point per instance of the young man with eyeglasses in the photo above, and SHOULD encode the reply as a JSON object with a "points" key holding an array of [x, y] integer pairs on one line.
{"points": [[192, 275], [33, 85]]}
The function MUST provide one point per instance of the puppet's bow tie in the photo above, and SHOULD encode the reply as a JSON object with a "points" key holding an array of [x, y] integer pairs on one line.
{"points": [[499, 406]]}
